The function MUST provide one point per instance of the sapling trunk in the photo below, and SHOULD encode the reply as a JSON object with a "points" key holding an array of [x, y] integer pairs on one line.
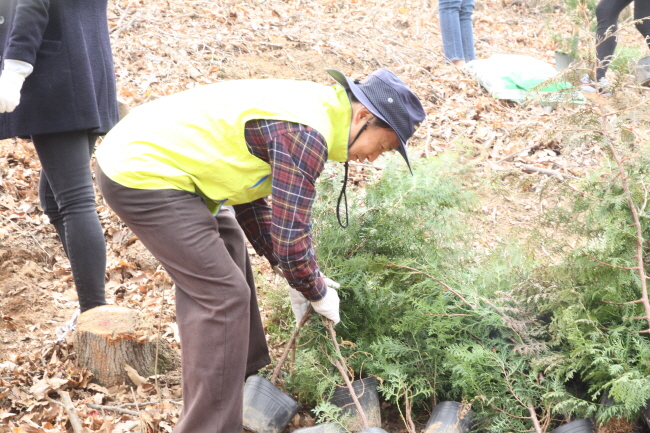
{"points": [[340, 365], [639, 235], [640, 266], [292, 340]]}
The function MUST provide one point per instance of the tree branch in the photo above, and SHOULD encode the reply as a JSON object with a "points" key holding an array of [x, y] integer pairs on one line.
{"points": [[113, 409], [292, 340], [339, 365], [608, 264], [66, 402]]}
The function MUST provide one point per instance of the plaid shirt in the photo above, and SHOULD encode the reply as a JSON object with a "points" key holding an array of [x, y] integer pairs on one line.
{"points": [[282, 233]]}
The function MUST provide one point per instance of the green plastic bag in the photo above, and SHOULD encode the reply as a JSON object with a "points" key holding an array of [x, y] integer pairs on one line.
{"points": [[517, 77]]}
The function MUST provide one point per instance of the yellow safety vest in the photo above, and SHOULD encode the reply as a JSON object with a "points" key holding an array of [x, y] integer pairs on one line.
{"points": [[194, 140]]}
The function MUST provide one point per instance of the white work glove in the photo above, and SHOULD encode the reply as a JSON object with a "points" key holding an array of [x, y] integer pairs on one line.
{"points": [[299, 304], [328, 306], [10, 85]]}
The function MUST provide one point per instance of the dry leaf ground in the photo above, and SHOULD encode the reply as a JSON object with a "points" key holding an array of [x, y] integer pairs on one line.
{"points": [[166, 46]]}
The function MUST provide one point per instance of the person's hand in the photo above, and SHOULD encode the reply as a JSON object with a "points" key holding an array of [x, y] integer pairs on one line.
{"points": [[329, 305], [299, 304], [10, 85], [329, 282]]}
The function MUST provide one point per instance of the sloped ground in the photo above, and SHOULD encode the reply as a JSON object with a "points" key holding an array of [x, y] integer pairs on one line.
{"points": [[163, 47]]}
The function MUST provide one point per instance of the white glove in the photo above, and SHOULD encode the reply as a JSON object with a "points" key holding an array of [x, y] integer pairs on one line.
{"points": [[329, 305], [329, 282], [299, 304], [10, 85]]}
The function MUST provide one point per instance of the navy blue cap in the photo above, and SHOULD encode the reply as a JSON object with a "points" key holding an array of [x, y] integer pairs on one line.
{"points": [[388, 98]]}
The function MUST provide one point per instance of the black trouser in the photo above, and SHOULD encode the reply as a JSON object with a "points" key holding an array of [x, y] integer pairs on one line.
{"points": [[607, 12], [67, 197]]}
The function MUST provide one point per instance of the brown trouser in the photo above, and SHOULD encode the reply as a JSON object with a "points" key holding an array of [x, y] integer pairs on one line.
{"points": [[222, 337]]}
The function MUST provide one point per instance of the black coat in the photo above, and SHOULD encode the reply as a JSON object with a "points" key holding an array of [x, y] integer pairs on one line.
{"points": [[72, 87]]}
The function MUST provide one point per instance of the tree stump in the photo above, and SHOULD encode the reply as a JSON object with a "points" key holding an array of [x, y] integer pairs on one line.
{"points": [[109, 337]]}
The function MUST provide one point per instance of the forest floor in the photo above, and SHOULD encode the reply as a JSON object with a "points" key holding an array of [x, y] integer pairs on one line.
{"points": [[165, 46]]}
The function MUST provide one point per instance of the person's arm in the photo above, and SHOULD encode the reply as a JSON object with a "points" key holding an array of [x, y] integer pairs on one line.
{"points": [[29, 24], [297, 160], [255, 220], [26, 35], [297, 155]]}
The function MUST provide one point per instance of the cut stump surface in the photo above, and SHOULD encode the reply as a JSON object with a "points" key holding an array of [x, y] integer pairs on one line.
{"points": [[109, 338]]}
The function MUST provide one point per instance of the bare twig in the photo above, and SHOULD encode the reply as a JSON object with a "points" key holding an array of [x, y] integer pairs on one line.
{"points": [[113, 409], [608, 264], [147, 403], [533, 417], [66, 402], [545, 171], [446, 286], [640, 268], [292, 340], [339, 364], [407, 415], [516, 152]]}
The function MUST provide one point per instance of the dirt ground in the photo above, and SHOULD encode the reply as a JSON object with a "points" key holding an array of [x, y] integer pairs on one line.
{"points": [[165, 46]]}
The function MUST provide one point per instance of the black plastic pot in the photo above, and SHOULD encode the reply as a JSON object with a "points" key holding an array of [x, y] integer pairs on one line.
{"points": [[449, 417], [328, 427], [266, 408], [642, 71], [577, 426], [366, 392], [646, 412]]}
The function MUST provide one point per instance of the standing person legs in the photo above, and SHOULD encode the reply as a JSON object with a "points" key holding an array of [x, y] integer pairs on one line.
{"points": [[67, 197], [607, 12], [450, 28], [213, 299], [642, 12], [466, 29]]}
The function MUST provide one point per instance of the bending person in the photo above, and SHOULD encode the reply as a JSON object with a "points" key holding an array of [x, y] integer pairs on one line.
{"points": [[58, 86], [171, 164]]}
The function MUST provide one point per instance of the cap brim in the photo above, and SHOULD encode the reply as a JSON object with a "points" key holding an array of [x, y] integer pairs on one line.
{"points": [[348, 84]]}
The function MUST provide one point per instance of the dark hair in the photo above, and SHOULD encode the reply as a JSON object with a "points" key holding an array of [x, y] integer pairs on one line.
{"points": [[376, 122]]}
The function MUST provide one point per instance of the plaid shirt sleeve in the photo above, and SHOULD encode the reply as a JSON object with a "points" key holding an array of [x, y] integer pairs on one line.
{"points": [[282, 232]]}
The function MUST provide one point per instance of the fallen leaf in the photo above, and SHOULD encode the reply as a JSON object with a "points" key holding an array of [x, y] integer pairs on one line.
{"points": [[133, 375]]}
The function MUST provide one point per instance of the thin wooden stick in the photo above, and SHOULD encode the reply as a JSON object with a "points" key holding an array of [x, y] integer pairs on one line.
{"points": [[339, 365], [533, 417], [547, 172], [113, 409], [66, 402], [292, 340]]}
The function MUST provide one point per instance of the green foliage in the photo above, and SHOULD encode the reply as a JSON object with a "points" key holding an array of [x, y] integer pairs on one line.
{"points": [[510, 332], [595, 321], [625, 58], [420, 310], [327, 412]]}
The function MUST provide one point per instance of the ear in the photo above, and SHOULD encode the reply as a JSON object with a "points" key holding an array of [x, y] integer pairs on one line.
{"points": [[361, 114]]}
